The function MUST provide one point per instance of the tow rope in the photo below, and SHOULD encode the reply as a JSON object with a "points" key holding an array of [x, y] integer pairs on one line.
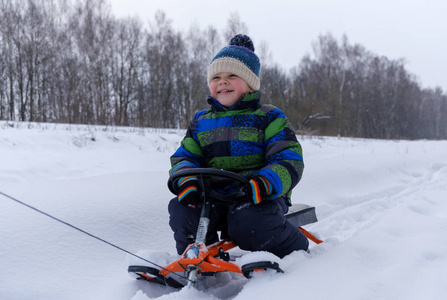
{"points": [[89, 234]]}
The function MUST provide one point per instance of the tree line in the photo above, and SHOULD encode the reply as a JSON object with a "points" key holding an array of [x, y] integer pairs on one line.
{"points": [[72, 61]]}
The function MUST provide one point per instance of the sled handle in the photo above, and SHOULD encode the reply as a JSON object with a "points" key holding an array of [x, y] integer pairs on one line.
{"points": [[207, 173]]}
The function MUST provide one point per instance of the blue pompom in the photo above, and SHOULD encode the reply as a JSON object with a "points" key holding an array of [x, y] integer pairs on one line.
{"points": [[243, 41]]}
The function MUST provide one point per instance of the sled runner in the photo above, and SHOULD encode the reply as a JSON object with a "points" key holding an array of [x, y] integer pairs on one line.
{"points": [[199, 259]]}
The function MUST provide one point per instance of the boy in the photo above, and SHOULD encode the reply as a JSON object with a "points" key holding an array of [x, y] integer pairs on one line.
{"points": [[239, 134]]}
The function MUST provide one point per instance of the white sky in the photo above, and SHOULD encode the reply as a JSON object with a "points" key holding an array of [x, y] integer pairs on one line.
{"points": [[412, 29]]}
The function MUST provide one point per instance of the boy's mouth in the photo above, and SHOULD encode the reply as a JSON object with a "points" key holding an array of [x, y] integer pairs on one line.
{"points": [[224, 91]]}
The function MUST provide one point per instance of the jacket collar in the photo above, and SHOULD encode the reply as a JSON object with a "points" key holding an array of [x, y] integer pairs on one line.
{"points": [[247, 101]]}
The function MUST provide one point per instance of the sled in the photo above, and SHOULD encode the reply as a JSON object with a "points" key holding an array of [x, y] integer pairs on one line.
{"points": [[201, 259]]}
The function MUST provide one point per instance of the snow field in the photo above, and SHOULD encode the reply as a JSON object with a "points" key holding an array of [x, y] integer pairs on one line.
{"points": [[381, 206]]}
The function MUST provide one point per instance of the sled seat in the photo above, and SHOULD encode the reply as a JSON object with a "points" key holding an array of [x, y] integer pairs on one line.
{"points": [[301, 214]]}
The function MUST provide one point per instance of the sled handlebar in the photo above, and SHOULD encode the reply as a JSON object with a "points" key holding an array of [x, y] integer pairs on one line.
{"points": [[205, 176]]}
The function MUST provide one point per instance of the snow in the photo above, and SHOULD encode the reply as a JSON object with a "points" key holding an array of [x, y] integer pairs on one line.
{"points": [[381, 206]]}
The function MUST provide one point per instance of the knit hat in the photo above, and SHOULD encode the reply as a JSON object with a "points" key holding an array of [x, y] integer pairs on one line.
{"points": [[238, 58]]}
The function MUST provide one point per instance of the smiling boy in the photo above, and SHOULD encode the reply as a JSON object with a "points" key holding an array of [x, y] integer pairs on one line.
{"points": [[239, 134], [228, 88]]}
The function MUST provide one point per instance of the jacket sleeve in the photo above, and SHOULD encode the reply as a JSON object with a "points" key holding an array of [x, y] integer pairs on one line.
{"points": [[283, 155], [189, 154]]}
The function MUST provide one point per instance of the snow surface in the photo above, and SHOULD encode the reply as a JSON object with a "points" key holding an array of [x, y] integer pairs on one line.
{"points": [[381, 206]]}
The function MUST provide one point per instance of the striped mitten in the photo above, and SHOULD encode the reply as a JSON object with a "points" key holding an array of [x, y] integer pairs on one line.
{"points": [[257, 189], [188, 190]]}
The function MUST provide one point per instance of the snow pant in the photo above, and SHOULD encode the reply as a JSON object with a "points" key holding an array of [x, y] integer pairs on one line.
{"points": [[260, 227]]}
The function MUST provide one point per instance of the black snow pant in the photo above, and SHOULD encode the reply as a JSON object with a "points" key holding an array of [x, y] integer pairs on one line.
{"points": [[260, 227]]}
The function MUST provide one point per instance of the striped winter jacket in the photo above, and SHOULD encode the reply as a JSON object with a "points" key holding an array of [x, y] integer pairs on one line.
{"points": [[248, 138]]}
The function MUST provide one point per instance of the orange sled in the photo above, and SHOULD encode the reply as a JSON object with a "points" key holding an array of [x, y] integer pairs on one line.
{"points": [[199, 259]]}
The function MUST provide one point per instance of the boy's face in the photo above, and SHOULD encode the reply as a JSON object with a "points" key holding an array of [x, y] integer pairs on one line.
{"points": [[228, 88]]}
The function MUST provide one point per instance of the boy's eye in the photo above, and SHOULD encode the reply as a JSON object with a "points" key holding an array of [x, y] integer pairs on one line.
{"points": [[233, 75]]}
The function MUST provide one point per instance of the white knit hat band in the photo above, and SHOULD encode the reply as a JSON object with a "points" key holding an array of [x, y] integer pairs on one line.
{"points": [[235, 66]]}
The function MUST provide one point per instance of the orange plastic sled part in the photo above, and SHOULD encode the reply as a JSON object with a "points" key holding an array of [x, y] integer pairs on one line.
{"points": [[310, 236], [205, 259]]}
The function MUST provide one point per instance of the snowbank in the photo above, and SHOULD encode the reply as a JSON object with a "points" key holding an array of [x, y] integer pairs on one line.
{"points": [[381, 205]]}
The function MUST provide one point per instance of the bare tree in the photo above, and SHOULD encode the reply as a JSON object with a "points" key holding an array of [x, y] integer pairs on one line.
{"points": [[164, 65], [94, 29], [124, 68]]}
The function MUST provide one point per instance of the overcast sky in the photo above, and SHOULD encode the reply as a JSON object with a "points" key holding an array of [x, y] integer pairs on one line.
{"points": [[412, 29]]}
